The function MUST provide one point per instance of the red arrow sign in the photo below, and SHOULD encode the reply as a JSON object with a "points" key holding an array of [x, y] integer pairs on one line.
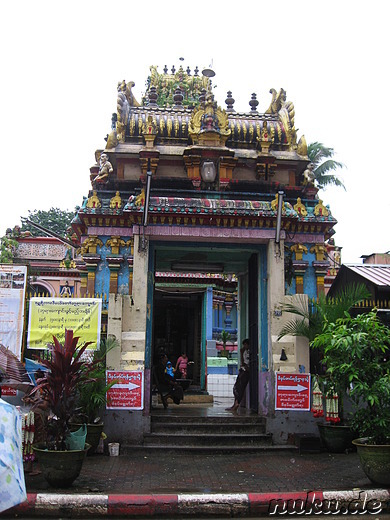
{"points": [[292, 391], [127, 392]]}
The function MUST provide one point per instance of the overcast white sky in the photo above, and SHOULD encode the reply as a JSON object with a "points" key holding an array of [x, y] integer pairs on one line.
{"points": [[61, 62]]}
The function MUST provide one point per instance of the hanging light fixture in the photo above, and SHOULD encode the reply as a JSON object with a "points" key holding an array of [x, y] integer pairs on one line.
{"points": [[208, 171], [279, 217], [142, 246]]}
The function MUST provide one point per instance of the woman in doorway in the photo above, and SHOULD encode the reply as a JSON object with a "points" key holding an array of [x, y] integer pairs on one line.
{"points": [[181, 364], [242, 378]]}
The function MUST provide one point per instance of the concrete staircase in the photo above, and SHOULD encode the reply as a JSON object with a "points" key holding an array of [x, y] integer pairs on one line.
{"points": [[207, 434]]}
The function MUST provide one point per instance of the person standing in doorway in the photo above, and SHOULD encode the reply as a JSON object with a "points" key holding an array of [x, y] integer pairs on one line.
{"points": [[242, 378], [182, 364]]}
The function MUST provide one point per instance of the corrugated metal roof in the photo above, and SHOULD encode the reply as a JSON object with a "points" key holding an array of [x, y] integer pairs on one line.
{"points": [[375, 273]]}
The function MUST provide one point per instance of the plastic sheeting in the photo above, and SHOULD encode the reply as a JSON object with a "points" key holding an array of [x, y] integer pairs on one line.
{"points": [[12, 483]]}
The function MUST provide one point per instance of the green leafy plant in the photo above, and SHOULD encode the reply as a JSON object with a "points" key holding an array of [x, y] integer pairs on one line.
{"points": [[356, 354], [310, 316], [56, 390], [321, 157], [8, 247], [55, 220], [91, 398], [225, 337]]}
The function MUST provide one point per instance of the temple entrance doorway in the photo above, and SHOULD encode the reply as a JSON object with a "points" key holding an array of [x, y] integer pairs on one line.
{"points": [[188, 310], [177, 328]]}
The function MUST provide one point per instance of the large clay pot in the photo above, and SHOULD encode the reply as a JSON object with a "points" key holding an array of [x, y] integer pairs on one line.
{"points": [[60, 468], [375, 460], [336, 439]]}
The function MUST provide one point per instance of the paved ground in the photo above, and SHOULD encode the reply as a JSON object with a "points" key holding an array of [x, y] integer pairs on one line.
{"points": [[148, 471], [175, 472]]}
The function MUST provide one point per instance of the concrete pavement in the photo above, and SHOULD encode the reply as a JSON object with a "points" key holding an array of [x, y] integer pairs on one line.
{"points": [[174, 483]]}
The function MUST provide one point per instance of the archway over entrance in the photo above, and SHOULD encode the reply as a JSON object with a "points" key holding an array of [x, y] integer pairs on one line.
{"points": [[183, 305]]}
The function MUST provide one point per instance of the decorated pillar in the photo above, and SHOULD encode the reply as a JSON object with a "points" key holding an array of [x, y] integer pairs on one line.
{"points": [[83, 281], [114, 264], [321, 265], [215, 310], [91, 265], [265, 164], [91, 258], [192, 164], [226, 167], [130, 261], [114, 261], [220, 314], [299, 266], [228, 307]]}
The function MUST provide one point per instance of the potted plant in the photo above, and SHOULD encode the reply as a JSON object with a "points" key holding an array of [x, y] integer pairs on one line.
{"points": [[356, 353], [335, 433], [225, 336], [56, 396], [91, 398], [309, 320]]}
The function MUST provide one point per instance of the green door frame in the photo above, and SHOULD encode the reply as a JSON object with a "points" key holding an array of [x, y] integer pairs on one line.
{"points": [[203, 343], [149, 308]]}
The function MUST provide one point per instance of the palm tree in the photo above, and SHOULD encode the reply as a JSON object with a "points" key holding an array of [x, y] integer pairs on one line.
{"points": [[321, 159], [310, 319], [225, 336]]}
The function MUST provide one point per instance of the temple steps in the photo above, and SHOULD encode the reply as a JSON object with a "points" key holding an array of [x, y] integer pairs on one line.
{"points": [[230, 433]]}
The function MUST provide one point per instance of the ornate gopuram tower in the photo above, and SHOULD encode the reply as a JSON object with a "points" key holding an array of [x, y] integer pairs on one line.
{"points": [[185, 187]]}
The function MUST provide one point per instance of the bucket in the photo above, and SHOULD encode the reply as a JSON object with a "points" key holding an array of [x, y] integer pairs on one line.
{"points": [[113, 449], [76, 440]]}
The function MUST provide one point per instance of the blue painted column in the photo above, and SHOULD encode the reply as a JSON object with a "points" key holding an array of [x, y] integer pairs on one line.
{"points": [[220, 315], [209, 313], [203, 358]]}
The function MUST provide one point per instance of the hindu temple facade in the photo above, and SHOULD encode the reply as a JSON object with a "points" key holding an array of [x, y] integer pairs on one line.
{"points": [[195, 208]]}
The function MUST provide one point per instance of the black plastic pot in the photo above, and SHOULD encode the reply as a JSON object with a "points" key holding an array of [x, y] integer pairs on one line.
{"points": [[336, 439]]}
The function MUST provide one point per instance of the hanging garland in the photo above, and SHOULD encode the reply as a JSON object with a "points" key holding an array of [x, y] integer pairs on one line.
{"points": [[317, 406], [332, 407], [28, 430]]}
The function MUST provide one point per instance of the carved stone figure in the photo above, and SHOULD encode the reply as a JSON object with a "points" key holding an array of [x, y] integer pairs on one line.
{"points": [[308, 176], [320, 251], [299, 249], [275, 203], [300, 207], [116, 202], [105, 169], [278, 100], [320, 210], [115, 243], [93, 201], [90, 245]]}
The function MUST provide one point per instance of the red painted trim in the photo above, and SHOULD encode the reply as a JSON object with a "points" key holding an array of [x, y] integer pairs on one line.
{"points": [[41, 240], [28, 506], [142, 505]]}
